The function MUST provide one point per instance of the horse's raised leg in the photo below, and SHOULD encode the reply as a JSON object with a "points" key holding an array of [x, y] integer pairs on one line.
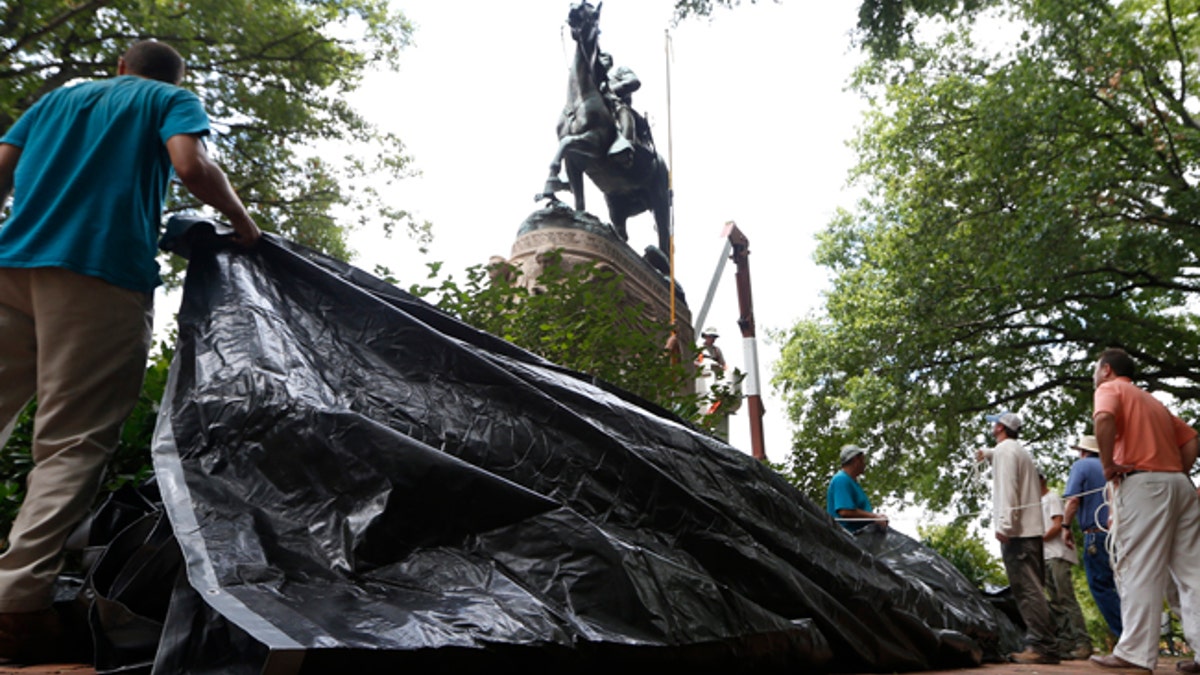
{"points": [[553, 182], [572, 145]]}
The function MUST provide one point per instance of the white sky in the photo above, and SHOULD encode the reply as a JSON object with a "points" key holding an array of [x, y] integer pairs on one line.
{"points": [[760, 119]]}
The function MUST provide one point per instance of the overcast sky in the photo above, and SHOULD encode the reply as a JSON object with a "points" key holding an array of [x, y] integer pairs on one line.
{"points": [[759, 115]]}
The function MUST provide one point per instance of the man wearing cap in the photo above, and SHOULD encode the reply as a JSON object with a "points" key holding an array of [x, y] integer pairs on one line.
{"points": [[845, 499], [1017, 517], [1147, 452], [1085, 501]]}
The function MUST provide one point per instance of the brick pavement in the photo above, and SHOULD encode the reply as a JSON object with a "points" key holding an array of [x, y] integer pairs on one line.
{"points": [[1166, 664], [50, 669]]}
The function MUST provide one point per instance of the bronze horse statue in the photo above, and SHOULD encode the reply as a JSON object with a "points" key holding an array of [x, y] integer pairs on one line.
{"points": [[586, 132]]}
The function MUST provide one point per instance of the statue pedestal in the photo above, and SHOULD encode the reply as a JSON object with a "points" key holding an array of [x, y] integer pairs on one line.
{"points": [[585, 238]]}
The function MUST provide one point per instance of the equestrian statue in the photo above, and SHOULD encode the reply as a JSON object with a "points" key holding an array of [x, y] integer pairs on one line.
{"points": [[599, 134]]}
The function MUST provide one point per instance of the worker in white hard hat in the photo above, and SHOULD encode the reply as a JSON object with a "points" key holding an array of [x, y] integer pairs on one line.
{"points": [[710, 355]]}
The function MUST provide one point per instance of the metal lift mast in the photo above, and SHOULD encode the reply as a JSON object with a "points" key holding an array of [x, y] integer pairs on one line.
{"points": [[740, 247], [754, 406]]}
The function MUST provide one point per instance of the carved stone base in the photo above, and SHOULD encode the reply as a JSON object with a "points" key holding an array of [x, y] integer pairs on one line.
{"points": [[584, 238]]}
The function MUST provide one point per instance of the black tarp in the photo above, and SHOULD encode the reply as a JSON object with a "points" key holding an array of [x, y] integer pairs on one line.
{"points": [[356, 479]]}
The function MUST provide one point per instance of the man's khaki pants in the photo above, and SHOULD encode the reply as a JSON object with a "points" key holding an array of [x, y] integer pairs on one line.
{"points": [[1158, 537], [1069, 625], [79, 344]]}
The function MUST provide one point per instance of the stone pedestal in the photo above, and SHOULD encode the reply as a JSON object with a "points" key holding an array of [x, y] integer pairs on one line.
{"points": [[584, 238]]}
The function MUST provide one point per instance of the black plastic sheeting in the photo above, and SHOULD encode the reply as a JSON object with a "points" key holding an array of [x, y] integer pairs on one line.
{"points": [[355, 479], [939, 590]]}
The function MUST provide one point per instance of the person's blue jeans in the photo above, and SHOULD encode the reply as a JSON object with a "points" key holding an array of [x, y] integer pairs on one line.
{"points": [[1100, 579]]}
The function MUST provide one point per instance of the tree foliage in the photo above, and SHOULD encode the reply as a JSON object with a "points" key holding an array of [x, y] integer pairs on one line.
{"points": [[1026, 209], [273, 75], [884, 26], [575, 315], [690, 8]]}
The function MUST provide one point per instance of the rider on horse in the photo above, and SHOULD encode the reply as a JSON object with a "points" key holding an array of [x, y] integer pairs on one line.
{"points": [[618, 86]]}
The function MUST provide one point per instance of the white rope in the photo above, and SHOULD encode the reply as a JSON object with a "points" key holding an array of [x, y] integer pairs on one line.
{"points": [[975, 474], [1038, 503], [1110, 545], [1106, 502], [979, 513], [857, 520], [1110, 542]]}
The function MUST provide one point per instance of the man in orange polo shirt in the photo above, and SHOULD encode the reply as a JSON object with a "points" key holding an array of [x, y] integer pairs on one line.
{"points": [[1147, 451]]}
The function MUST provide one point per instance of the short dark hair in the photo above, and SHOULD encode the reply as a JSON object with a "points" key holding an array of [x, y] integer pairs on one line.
{"points": [[1121, 363], [154, 60], [1011, 433]]}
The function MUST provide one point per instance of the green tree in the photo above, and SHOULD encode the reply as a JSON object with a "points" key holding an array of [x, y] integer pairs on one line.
{"points": [[690, 8], [273, 75], [577, 316], [1026, 208], [15, 463], [884, 26]]}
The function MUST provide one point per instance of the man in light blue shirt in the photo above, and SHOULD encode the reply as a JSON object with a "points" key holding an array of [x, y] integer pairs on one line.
{"points": [[1085, 495], [845, 499]]}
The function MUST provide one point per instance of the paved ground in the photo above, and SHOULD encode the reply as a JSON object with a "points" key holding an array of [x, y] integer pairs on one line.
{"points": [[72, 669], [1165, 665]]}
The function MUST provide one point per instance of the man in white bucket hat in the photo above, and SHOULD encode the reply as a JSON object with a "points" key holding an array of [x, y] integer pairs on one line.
{"points": [[1085, 500]]}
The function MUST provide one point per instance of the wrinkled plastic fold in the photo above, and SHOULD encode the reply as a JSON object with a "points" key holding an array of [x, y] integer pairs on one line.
{"points": [[354, 477]]}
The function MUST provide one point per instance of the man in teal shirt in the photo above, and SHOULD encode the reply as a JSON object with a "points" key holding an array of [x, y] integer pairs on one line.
{"points": [[88, 167], [845, 499]]}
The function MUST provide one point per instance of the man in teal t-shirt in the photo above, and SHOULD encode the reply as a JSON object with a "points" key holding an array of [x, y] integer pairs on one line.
{"points": [[845, 499], [88, 167]]}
